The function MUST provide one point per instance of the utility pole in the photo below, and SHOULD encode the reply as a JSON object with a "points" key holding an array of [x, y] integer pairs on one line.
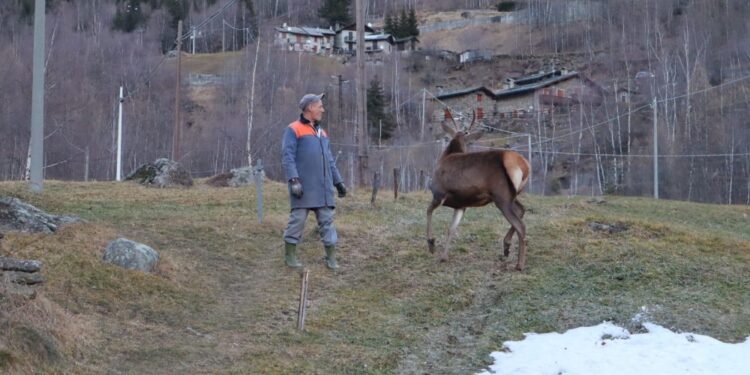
{"points": [[176, 131], [341, 100], [656, 153], [118, 172], [361, 94], [424, 101], [531, 171], [37, 102], [193, 35]]}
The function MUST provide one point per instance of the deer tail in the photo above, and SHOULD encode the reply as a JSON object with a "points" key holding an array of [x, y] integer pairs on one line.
{"points": [[517, 168]]}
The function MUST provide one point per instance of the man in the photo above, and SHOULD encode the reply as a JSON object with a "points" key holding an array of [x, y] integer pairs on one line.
{"points": [[311, 173]]}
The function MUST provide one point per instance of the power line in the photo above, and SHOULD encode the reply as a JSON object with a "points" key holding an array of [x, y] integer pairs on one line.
{"points": [[413, 145], [233, 27], [149, 75], [184, 36], [607, 121], [208, 19], [625, 155]]}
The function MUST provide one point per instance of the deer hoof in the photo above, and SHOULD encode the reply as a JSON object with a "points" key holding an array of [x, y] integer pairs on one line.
{"points": [[431, 245]]}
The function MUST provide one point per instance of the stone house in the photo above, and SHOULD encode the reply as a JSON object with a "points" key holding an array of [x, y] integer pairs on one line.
{"points": [[522, 97], [305, 39]]}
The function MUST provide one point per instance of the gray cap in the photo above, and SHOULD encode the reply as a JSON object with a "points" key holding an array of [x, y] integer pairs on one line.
{"points": [[310, 99]]}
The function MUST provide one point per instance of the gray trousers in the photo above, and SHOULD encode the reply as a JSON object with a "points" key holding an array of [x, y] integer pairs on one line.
{"points": [[296, 225]]}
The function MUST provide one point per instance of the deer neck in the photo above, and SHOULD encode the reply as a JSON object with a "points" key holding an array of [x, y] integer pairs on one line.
{"points": [[454, 147]]}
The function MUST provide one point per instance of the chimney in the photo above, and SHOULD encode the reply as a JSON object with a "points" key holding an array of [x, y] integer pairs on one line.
{"points": [[509, 83], [283, 25]]}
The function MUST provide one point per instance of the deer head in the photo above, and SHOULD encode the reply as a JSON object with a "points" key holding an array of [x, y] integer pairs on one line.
{"points": [[460, 137]]}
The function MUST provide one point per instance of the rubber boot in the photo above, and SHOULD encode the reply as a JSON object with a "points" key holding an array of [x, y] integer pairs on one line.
{"points": [[330, 257], [290, 255]]}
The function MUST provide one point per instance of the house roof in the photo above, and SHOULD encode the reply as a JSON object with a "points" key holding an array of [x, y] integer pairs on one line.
{"points": [[532, 83], [352, 27], [378, 37], [465, 91], [388, 37], [524, 85], [476, 52], [309, 31]]}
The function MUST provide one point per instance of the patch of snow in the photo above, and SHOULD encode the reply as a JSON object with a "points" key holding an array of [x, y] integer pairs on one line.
{"points": [[612, 350]]}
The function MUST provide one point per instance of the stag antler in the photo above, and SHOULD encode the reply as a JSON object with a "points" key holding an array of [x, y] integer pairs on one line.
{"points": [[448, 112], [473, 119]]}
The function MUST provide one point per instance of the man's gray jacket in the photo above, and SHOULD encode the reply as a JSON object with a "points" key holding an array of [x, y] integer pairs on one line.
{"points": [[306, 154]]}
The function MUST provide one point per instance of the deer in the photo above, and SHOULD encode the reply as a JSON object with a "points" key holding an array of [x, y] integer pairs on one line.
{"points": [[474, 179]]}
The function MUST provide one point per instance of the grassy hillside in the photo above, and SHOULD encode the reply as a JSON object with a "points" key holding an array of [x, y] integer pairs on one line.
{"points": [[222, 300]]}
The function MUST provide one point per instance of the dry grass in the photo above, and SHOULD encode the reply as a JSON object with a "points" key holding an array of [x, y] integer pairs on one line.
{"points": [[211, 63], [223, 302], [456, 15], [40, 332]]}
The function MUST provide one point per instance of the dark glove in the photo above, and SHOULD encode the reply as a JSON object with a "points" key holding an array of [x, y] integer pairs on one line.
{"points": [[341, 189], [295, 186]]}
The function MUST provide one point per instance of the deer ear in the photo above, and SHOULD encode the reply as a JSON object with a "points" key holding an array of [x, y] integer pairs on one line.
{"points": [[474, 136], [448, 130]]}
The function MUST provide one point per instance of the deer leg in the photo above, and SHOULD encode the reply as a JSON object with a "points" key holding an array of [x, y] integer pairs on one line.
{"points": [[508, 210], [457, 215], [519, 210], [430, 240]]}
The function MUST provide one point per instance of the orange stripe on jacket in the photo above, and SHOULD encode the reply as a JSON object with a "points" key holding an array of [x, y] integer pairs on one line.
{"points": [[301, 130]]}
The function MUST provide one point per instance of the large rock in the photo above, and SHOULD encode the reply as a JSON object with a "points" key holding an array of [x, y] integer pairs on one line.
{"points": [[235, 178], [20, 216], [161, 173], [131, 255]]}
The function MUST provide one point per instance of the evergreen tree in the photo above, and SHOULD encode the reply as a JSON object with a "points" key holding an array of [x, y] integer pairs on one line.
{"points": [[247, 19], [335, 11], [129, 16], [179, 10], [376, 115], [25, 8], [251, 17], [402, 24], [412, 26], [390, 26]]}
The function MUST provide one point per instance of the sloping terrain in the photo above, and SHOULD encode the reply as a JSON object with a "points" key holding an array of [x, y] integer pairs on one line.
{"points": [[223, 302]]}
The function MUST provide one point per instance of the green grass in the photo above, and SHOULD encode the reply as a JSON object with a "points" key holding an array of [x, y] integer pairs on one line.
{"points": [[223, 302]]}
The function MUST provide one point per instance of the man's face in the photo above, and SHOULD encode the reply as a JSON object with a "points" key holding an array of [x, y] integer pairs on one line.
{"points": [[315, 111]]}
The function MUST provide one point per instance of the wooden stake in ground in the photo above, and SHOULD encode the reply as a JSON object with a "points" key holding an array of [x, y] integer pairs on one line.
{"points": [[396, 172], [375, 187], [302, 310]]}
